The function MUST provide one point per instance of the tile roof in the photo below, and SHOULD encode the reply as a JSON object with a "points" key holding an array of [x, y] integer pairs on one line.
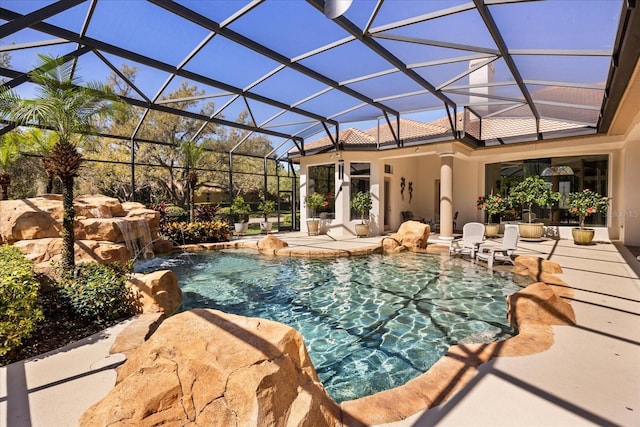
{"points": [[557, 102]]}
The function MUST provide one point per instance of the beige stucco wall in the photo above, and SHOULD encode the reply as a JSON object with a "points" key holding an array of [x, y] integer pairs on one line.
{"points": [[422, 167], [629, 210]]}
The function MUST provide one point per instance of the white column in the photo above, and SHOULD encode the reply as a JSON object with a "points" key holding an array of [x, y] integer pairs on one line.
{"points": [[446, 196]]}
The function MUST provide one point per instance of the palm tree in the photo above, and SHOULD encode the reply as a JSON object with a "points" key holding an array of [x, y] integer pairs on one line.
{"points": [[43, 145], [71, 111], [9, 153], [191, 154]]}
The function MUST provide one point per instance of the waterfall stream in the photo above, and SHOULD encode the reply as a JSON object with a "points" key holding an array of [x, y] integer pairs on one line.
{"points": [[137, 238]]}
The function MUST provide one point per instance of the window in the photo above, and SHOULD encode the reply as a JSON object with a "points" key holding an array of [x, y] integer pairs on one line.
{"points": [[322, 180], [564, 174], [360, 181]]}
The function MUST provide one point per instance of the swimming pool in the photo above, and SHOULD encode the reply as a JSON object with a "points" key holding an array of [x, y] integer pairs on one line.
{"points": [[369, 323]]}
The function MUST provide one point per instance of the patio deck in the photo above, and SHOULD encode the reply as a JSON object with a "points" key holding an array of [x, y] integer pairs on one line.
{"points": [[590, 376]]}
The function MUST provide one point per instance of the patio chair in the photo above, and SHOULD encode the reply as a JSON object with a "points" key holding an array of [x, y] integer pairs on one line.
{"points": [[472, 237], [493, 252]]}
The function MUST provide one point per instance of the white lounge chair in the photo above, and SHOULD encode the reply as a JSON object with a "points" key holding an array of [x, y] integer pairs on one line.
{"points": [[472, 237], [491, 253]]}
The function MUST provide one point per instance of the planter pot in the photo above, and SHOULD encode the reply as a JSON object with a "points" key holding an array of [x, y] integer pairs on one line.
{"points": [[362, 230], [241, 227], [531, 231], [313, 225], [583, 236], [491, 230], [265, 226]]}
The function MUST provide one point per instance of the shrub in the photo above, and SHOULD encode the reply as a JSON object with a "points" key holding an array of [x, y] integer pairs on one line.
{"points": [[98, 292], [206, 212], [197, 232], [20, 311], [176, 213]]}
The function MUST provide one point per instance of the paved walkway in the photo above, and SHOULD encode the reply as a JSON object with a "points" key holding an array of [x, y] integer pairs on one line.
{"points": [[590, 376]]}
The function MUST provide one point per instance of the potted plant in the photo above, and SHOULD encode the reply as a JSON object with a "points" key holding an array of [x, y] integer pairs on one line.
{"points": [[533, 190], [313, 201], [361, 202], [267, 207], [582, 204], [240, 214], [493, 204]]}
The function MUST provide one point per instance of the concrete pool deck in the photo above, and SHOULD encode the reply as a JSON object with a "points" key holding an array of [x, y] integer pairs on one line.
{"points": [[589, 376]]}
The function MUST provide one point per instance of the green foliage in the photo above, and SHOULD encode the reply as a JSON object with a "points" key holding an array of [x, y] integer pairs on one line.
{"points": [[313, 201], [492, 203], [175, 213], [98, 292], [534, 190], [362, 203], [20, 311], [586, 202], [267, 207], [240, 209], [197, 232]]}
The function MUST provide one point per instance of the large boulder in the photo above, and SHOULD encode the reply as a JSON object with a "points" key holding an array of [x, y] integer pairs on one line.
{"points": [[412, 235], [97, 206], [539, 304], [34, 218], [205, 367], [156, 292], [150, 216], [50, 248], [270, 244]]}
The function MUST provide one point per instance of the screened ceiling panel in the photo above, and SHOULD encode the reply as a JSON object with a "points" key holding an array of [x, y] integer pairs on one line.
{"points": [[475, 33], [148, 80], [226, 61], [561, 68], [362, 113], [411, 103], [386, 86], [289, 71], [23, 58], [129, 27], [330, 103], [347, 62], [399, 10], [289, 86], [290, 23], [535, 25]]}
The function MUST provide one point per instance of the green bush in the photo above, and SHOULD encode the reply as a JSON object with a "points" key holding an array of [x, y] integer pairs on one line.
{"points": [[197, 232], [175, 213], [20, 311], [98, 292]]}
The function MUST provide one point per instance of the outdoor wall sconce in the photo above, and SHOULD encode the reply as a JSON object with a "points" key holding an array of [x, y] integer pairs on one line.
{"points": [[340, 169]]}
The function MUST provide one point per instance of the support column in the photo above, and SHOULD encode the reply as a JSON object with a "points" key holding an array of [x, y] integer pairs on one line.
{"points": [[446, 196]]}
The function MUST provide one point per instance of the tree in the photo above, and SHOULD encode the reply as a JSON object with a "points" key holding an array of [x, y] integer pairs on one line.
{"points": [[9, 154], [192, 154], [69, 110]]}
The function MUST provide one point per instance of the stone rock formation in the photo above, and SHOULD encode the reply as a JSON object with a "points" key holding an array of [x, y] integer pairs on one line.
{"points": [[205, 367], [412, 235], [270, 244], [105, 229], [539, 304], [156, 292]]}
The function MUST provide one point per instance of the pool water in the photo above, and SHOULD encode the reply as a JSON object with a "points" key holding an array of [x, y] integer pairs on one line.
{"points": [[369, 323]]}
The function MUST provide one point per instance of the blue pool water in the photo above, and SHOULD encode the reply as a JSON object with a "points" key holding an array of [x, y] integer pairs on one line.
{"points": [[369, 323]]}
